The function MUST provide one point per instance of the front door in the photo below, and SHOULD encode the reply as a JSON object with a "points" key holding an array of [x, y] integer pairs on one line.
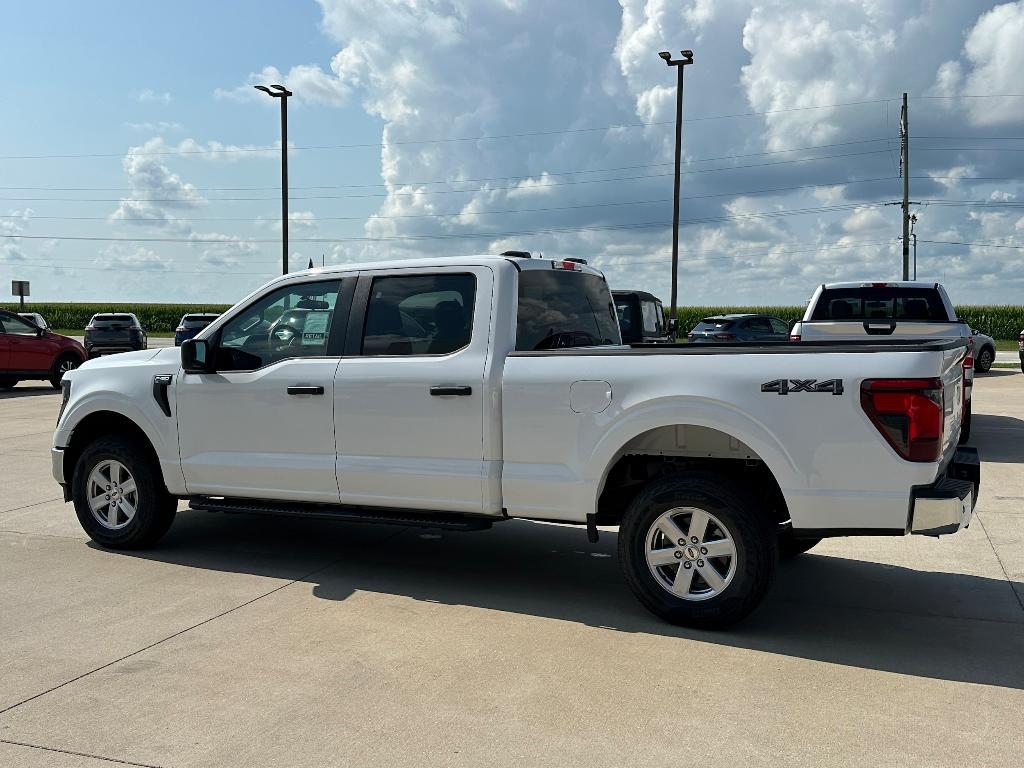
{"points": [[410, 399], [27, 350], [262, 426]]}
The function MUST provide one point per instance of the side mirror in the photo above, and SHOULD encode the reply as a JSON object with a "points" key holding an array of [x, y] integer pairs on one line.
{"points": [[196, 356]]}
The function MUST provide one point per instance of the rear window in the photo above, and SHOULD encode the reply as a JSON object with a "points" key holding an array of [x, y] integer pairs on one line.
{"points": [[562, 308], [196, 321], [112, 320], [712, 325], [921, 304]]}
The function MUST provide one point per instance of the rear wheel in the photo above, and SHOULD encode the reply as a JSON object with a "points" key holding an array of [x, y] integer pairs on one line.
{"points": [[61, 366], [983, 362], [119, 497], [696, 551]]}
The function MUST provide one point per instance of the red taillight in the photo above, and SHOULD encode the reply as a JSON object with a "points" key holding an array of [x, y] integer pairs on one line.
{"points": [[794, 337], [725, 336], [908, 413]]}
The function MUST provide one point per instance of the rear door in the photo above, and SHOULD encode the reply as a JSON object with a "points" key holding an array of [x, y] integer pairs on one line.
{"points": [[409, 396]]}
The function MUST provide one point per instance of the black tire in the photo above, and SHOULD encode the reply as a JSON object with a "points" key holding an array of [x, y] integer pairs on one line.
{"points": [[983, 362], [790, 546], [749, 527], [155, 507], [7, 382], [60, 367], [965, 424]]}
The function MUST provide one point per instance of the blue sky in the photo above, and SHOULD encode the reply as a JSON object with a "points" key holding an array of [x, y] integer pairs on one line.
{"points": [[791, 141]]}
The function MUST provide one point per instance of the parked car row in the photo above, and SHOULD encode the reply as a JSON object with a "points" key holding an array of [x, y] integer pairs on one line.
{"points": [[29, 350]]}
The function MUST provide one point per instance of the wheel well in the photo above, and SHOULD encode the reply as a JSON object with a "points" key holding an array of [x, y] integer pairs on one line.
{"points": [[103, 424], [680, 448]]}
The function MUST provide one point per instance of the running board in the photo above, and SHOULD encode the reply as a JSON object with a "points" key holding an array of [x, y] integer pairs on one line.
{"points": [[450, 521]]}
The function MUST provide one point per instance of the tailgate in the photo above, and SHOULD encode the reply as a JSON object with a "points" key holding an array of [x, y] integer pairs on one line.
{"points": [[866, 330], [953, 399]]}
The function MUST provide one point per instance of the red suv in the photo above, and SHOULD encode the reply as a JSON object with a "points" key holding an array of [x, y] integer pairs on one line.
{"points": [[30, 352]]}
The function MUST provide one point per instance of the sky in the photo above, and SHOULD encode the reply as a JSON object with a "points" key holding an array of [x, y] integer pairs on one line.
{"points": [[137, 162]]}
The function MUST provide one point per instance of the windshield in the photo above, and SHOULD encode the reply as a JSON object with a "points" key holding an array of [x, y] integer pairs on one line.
{"points": [[563, 308], [712, 325], [111, 319], [869, 303]]}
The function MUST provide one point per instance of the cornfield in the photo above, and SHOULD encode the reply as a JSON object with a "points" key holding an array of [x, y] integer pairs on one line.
{"points": [[998, 321]]}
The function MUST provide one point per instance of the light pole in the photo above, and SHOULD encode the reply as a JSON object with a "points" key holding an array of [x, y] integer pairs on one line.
{"points": [[282, 93], [679, 64]]}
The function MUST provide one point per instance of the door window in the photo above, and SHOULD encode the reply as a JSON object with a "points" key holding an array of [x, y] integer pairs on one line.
{"points": [[293, 321], [778, 326], [758, 325], [652, 317], [17, 327], [419, 315]]}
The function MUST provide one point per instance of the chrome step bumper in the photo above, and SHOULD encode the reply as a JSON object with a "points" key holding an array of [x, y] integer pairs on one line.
{"points": [[946, 505]]}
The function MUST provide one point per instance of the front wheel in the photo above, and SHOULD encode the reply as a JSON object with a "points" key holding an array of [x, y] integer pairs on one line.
{"points": [[696, 551], [119, 496]]}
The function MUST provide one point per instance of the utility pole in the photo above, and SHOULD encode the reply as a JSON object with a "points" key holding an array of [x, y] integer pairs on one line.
{"points": [[905, 169], [679, 64], [282, 93]]}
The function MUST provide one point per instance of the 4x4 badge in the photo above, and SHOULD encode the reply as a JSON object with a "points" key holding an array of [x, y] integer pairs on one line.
{"points": [[785, 386]]}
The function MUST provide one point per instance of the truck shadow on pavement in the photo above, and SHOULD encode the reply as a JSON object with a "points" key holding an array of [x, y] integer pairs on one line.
{"points": [[998, 438], [22, 391], [946, 626]]}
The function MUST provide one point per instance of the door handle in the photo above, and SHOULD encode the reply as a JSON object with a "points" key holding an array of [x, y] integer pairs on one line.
{"points": [[458, 391], [304, 390]]}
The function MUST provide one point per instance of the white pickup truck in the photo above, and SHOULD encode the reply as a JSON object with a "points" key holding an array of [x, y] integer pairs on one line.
{"points": [[462, 392]]}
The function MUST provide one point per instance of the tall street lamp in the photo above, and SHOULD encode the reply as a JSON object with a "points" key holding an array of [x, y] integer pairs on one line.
{"points": [[282, 93], [679, 64]]}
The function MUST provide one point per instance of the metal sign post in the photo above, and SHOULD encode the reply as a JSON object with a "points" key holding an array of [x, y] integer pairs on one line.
{"points": [[19, 288]]}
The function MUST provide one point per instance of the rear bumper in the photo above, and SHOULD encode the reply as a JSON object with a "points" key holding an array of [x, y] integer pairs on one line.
{"points": [[946, 505]]}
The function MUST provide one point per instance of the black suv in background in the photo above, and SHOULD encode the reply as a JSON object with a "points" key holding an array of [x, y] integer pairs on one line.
{"points": [[641, 318], [190, 325], [107, 333]]}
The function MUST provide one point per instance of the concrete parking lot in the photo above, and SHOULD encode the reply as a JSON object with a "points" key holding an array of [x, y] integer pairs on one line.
{"points": [[278, 642]]}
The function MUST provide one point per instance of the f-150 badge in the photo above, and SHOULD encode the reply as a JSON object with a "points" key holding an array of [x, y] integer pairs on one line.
{"points": [[787, 386]]}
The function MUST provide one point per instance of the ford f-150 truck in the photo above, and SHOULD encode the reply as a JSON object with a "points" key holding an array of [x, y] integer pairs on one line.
{"points": [[876, 310], [461, 392]]}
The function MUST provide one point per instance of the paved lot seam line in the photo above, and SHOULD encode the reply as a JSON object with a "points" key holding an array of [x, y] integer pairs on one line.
{"points": [[77, 754], [171, 636], [34, 504], [1009, 581]]}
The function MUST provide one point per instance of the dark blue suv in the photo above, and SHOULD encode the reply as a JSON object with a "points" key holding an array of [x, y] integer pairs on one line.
{"points": [[190, 325], [740, 328]]}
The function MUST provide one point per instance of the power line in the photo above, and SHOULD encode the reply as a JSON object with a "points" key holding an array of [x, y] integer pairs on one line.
{"points": [[180, 201], [979, 245], [467, 181], [461, 235], [735, 255], [378, 145], [737, 193]]}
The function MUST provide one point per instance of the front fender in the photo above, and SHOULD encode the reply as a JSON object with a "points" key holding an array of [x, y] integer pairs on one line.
{"points": [[133, 400]]}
